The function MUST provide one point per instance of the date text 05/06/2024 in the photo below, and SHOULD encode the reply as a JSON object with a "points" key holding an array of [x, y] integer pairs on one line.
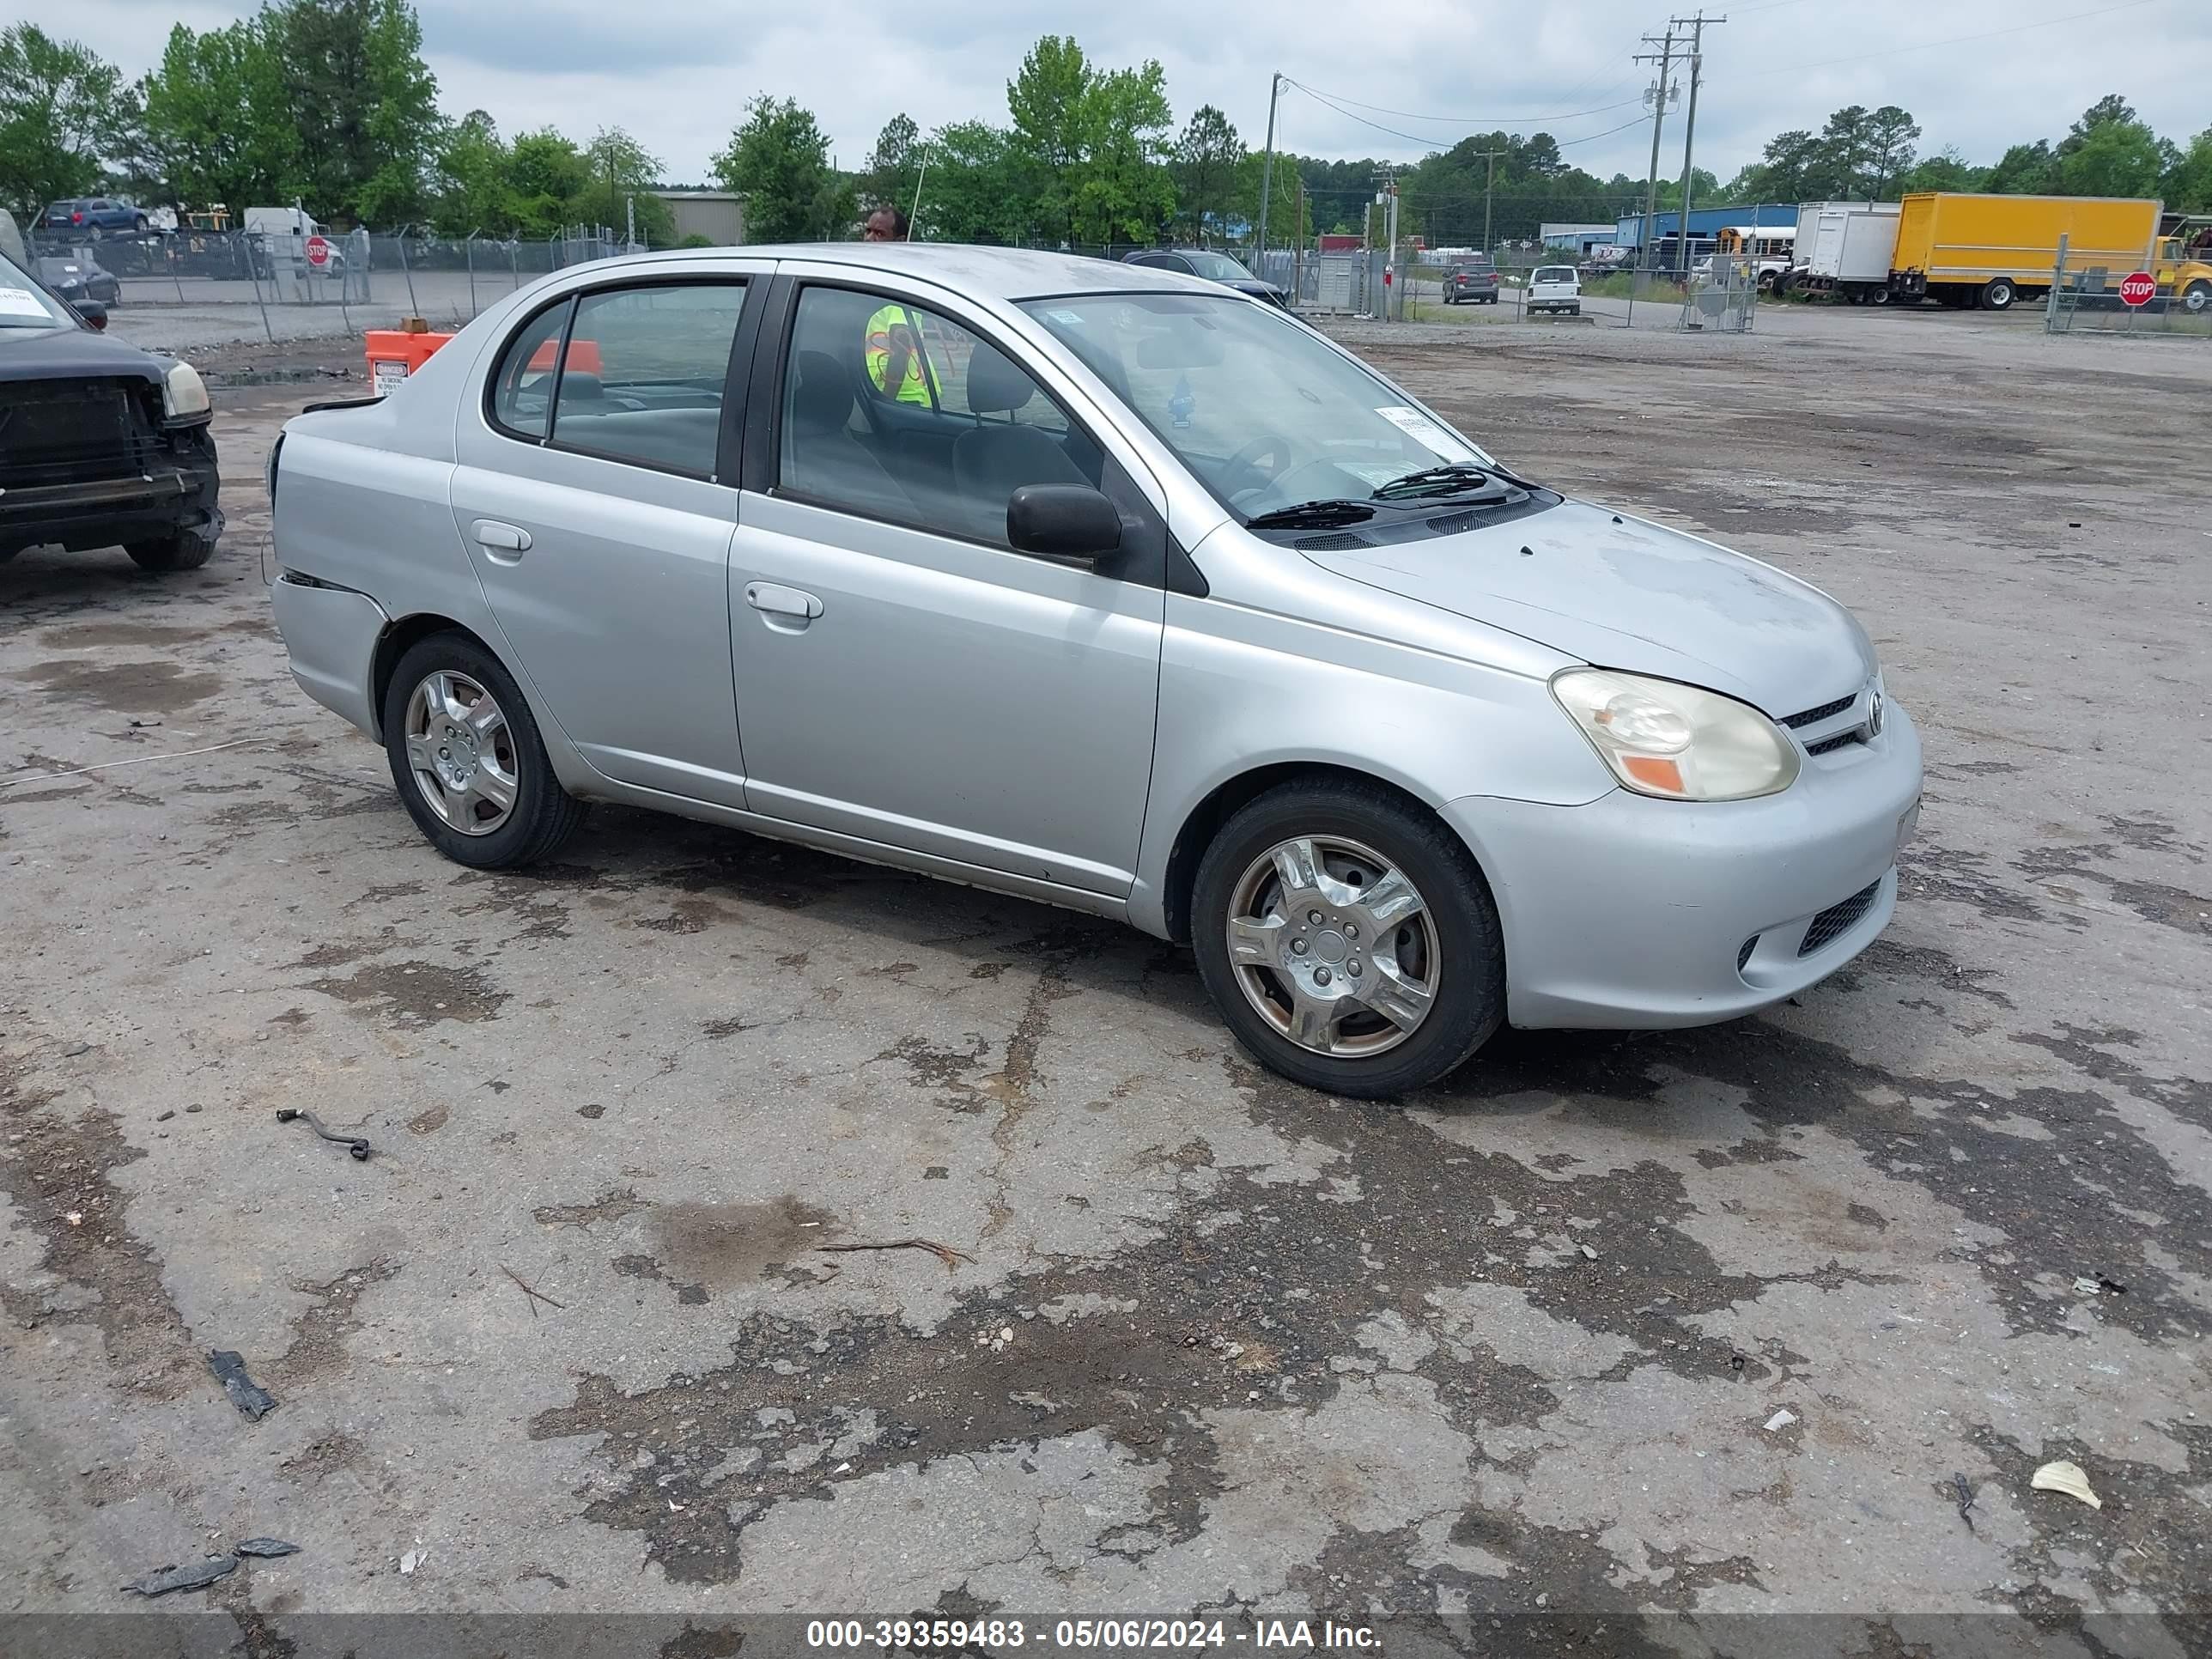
{"points": [[1122, 1634]]}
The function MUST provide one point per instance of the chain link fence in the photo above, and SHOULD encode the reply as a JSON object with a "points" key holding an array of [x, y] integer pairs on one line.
{"points": [[2087, 299]]}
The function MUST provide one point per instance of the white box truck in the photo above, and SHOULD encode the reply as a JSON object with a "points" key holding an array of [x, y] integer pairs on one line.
{"points": [[283, 233], [1845, 248]]}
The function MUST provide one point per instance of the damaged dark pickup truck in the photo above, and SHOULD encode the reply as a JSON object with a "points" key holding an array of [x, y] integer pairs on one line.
{"points": [[101, 445]]}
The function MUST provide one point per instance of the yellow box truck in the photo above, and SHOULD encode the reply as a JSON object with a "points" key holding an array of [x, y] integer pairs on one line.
{"points": [[1992, 251]]}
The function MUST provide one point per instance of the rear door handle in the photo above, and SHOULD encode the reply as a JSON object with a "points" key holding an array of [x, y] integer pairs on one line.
{"points": [[499, 538], [777, 600]]}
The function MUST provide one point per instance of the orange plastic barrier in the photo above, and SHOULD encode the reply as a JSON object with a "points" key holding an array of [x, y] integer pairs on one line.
{"points": [[394, 354]]}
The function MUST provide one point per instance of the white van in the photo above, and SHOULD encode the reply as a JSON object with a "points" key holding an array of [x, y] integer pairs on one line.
{"points": [[1555, 289]]}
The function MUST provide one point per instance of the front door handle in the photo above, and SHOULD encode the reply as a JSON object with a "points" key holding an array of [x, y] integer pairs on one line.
{"points": [[501, 538], [777, 600]]}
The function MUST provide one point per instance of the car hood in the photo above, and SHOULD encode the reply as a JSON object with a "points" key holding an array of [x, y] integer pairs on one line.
{"points": [[1621, 593], [56, 353]]}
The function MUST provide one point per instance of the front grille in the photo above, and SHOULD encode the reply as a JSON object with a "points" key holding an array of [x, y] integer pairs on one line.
{"points": [[61, 432], [1827, 746], [1837, 920], [1336, 541], [1815, 716]]}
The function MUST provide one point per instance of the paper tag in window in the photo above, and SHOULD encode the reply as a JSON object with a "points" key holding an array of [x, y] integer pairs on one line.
{"points": [[1071, 318], [1425, 432], [20, 302], [384, 378]]}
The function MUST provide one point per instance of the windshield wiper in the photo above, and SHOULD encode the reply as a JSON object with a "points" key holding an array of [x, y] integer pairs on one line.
{"points": [[1437, 480], [1312, 516]]}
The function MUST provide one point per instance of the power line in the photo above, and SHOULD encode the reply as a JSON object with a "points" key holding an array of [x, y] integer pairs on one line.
{"points": [[1954, 40], [1432, 141], [1466, 120]]}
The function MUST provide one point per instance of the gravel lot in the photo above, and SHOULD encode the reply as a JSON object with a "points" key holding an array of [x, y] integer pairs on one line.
{"points": [[1520, 1346]]}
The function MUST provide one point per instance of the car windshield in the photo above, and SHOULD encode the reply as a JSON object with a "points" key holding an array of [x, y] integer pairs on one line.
{"points": [[1262, 410], [1218, 266], [24, 304]]}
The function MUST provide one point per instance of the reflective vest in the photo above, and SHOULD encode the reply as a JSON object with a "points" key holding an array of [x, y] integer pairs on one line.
{"points": [[919, 385]]}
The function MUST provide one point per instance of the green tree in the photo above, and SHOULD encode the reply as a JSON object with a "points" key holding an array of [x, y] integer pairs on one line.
{"points": [[1124, 193], [546, 172], [1891, 135], [1945, 170], [472, 181], [363, 104], [894, 166], [2112, 151], [1046, 98], [970, 195], [1205, 169], [778, 160], [1793, 167], [218, 119], [619, 175], [2189, 185], [63, 109], [2024, 170]]}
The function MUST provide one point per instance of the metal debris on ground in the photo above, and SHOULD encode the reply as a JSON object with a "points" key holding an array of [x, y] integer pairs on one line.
{"points": [[265, 1546], [412, 1559], [2063, 1476], [1781, 1420], [532, 1292], [1964, 1494], [198, 1575], [945, 1253], [249, 1396], [357, 1144]]}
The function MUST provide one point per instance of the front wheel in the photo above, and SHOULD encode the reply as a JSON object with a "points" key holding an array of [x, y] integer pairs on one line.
{"points": [[1348, 939], [2197, 298], [467, 760]]}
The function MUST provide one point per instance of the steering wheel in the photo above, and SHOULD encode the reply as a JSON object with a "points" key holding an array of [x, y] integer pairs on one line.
{"points": [[1247, 460]]}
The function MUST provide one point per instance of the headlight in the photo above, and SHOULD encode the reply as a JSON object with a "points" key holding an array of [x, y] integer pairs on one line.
{"points": [[183, 392], [1675, 741]]}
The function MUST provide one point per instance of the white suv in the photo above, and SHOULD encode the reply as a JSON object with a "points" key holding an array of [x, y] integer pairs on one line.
{"points": [[1555, 289]]}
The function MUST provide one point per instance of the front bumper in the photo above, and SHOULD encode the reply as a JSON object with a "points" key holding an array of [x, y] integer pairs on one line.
{"points": [[178, 492], [1634, 912]]}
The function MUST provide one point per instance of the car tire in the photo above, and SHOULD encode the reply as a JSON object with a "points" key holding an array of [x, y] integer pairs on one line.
{"points": [[1997, 295], [1452, 943], [187, 549], [138, 225], [539, 814], [2197, 298]]}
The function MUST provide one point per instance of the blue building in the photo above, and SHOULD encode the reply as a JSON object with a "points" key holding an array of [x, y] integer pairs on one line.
{"points": [[1705, 223]]}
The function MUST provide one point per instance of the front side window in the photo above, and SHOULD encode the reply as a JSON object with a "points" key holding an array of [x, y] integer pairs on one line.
{"points": [[897, 412], [1258, 408]]}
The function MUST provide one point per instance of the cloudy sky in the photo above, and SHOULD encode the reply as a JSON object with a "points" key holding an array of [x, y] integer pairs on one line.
{"points": [[678, 73]]}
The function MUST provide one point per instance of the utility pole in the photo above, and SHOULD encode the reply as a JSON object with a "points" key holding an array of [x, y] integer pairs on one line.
{"points": [[1696, 27], [1664, 58], [1267, 167], [1386, 193], [1489, 180]]}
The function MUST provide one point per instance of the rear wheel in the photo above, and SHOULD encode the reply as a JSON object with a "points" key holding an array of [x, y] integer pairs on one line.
{"points": [[467, 759], [1877, 296], [1998, 293], [1348, 939]]}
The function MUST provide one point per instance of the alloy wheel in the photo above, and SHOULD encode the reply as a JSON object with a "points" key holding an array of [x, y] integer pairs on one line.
{"points": [[461, 753], [1334, 946]]}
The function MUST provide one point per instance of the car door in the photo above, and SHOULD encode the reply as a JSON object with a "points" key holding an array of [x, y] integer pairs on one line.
{"points": [[595, 494], [903, 675]]}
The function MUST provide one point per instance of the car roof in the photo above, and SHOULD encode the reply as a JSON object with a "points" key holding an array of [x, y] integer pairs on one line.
{"points": [[996, 273]]}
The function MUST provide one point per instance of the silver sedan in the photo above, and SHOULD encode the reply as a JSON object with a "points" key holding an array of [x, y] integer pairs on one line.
{"points": [[1111, 588]]}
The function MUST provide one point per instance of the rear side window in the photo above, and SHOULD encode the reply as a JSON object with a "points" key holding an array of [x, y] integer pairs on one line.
{"points": [[522, 390]]}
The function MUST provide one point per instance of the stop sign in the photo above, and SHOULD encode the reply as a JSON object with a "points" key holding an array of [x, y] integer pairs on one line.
{"points": [[318, 254], [2138, 288]]}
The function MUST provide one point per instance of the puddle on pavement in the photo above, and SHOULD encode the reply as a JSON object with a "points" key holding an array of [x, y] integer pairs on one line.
{"points": [[726, 1244], [125, 688]]}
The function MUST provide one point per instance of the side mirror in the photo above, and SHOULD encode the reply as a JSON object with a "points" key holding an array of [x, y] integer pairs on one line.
{"points": [[1062, 521], [93, 311]]}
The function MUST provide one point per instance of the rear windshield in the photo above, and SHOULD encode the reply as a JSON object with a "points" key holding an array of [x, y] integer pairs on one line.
{"points": [[1472, 265], [24, 304], [1555, 274]]}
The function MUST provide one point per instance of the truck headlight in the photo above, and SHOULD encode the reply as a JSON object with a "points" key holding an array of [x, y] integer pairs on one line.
{"points": [[183, 392], [1674, 741]]}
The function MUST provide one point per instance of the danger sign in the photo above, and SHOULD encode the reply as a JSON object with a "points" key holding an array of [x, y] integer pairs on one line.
{"points": [[319, 251], [2138, 288]]}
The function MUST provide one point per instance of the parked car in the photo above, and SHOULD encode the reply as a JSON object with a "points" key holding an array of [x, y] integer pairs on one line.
{"points": [[1555, 289], [1110, 588], [1472, 281], [101, 444], [80, 277], [94, 217], [1214, 267]]}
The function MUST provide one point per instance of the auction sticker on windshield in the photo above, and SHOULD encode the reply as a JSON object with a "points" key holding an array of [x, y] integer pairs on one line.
{"points": [[20, 302], [1425, 432]]}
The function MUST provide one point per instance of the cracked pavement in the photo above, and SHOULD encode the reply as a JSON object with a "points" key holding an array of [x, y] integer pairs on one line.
{"points": [[1203, 1341]]}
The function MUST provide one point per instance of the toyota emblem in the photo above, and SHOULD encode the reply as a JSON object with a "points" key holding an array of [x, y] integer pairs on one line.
{"points": [[1874, 714]]}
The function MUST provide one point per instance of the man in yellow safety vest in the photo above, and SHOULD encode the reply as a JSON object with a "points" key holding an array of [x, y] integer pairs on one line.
{"points": [[898, 362]]}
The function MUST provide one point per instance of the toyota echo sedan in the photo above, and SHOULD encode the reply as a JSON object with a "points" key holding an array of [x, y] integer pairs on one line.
{"points": [[1108, 587]]}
